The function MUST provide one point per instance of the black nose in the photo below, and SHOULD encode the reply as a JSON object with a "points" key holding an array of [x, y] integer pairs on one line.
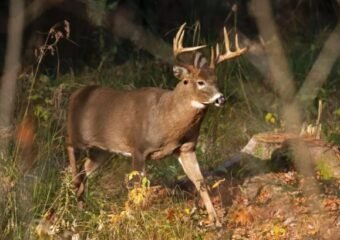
{"points": [[219, 101]]}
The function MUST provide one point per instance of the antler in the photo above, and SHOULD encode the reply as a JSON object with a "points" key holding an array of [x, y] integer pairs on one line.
{"points": [[178, 43], [228, 53]]}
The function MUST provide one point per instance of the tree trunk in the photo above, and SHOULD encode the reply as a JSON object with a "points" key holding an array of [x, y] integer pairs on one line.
{"points": [[10, 72]]}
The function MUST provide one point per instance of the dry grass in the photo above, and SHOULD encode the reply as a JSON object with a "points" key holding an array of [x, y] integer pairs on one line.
{"points": [[40, 202]]}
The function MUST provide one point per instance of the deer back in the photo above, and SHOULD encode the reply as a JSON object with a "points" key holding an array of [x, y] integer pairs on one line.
{"points": [[151, 122]]}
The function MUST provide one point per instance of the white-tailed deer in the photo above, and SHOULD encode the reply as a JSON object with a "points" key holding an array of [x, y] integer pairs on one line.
{"points": [[149, 123]]}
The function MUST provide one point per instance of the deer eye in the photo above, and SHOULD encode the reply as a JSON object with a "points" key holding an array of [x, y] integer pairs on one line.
{"points": [[201, 83]]}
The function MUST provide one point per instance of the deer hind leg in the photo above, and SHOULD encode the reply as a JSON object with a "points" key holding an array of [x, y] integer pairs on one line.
{"points": [[138, 162], [92, 162], [76, 178], [95, 159], [188, 160]]}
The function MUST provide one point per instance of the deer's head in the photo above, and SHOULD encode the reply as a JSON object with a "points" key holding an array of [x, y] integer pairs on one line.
{"points": [[199, 76]]}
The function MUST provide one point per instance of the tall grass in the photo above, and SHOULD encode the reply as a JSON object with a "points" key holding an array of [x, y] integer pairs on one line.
{"points": [[41, 203], [44, 198]]}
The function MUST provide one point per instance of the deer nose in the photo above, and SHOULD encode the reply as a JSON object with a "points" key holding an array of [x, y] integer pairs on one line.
{"points": [[219, 101]]}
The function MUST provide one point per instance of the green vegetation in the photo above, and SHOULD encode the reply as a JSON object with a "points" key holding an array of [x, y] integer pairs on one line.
{"points": [[39, 200], [324, 170], [43, 200]]}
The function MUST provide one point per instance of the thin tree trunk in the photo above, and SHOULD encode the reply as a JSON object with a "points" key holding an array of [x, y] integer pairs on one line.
{"points": [[284, 84], [8, 85], [10, 72]]}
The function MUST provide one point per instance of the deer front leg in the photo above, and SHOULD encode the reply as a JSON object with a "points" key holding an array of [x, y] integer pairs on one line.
{"points": [[188, 160]]}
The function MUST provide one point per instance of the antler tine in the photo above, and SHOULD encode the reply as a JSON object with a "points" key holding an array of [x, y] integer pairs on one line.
{"points": [[178, 43], [212, 57], [228, 53], [226, 40], [236, 42], [217, 50], [179, 37]]}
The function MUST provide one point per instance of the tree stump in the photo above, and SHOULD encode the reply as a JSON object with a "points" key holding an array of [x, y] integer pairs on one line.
{"points": [[272, 146]]}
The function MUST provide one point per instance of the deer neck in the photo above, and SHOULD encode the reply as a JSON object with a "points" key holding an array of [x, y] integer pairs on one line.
{"points": [[180, 112]]}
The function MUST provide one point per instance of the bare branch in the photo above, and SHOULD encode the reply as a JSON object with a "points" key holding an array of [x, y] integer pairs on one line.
{"points": [[282, 78], [321, 68], [38, 7], [283, 82]]}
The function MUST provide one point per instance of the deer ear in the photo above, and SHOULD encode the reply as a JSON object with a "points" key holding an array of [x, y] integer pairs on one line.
{"points": [[180, 72]]}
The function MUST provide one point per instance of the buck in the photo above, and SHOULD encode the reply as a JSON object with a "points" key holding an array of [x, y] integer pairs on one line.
{"points": [[149, 123]]}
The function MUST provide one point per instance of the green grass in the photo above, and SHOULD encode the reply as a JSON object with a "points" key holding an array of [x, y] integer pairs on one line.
{"points": [[28, 198], [47, 187], [324, 170]]}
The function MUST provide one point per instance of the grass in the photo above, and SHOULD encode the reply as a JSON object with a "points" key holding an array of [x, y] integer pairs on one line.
{"points": [[41, 204], [324, 170]]}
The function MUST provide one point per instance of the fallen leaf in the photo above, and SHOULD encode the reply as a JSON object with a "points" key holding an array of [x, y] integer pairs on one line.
{"points": [[218, 183]]}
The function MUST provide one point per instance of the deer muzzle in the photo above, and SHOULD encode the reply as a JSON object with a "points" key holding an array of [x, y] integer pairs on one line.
{"points": [[219, 100]]}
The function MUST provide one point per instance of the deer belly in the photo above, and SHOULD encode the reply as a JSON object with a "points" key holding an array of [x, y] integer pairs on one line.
{"points": [[163, 151], [112, 148]]}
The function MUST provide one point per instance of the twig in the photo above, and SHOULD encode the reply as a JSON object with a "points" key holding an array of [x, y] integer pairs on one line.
{"points": [[321, 68]]}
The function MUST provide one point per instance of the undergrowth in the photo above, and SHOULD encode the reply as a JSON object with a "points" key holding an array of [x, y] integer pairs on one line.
{"points": [[40, 202]]}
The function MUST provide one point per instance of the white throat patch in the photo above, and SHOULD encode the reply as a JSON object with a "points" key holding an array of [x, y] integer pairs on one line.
{"points": [[197, 105]]}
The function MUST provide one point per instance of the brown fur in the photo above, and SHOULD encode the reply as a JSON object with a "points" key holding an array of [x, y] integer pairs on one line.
{"points": [[148, 123]]}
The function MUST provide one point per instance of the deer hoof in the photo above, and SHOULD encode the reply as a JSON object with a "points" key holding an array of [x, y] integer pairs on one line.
{"points": [[80, 205], [218, 224], [80, 191], [210, 223]]}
